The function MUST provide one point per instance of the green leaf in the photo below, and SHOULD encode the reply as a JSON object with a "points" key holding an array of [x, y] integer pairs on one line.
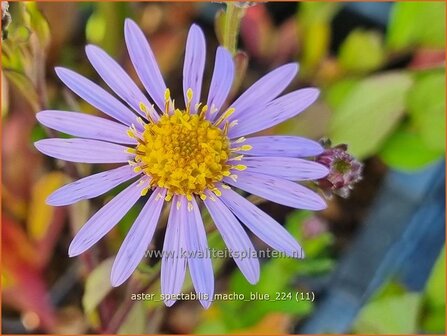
{"points": [[136, 321], [310, 12], [38, 133], [406, 150], [104, 26], [312, 123], [4, 96], [433, 320], [213, 327], [426, 105], [435, 290], [414, 24], [37, 23], [219, 25], [337, 92], [313, 247], [40, 214], [370, 112], [25, 86], [97, 285], [314, 21], [362, 51], [390, 315], [125, 224], [96, 28]]}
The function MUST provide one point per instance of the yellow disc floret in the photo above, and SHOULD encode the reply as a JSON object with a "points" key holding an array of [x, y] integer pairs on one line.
{"points": [[182, 152]]}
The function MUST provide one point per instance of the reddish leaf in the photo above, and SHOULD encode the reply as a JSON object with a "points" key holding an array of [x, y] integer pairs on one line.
{"points": [[24, 286]]}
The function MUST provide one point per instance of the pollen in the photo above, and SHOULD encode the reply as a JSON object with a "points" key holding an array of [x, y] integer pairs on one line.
{"points": [[183, 152]]}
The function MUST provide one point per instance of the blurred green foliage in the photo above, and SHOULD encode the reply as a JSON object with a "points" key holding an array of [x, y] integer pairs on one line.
{"points": [[105, 26], [395, 310], [277, 277], [313, 21], [391, 313], [23, 53], [417, 24], [426, 107], [420, 139], [433, 320], [397, 113], [362, 51], [369, 112], [96, 288]]}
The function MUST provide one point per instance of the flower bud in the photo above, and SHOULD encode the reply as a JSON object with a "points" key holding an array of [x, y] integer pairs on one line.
{"points": [[344, 170]]}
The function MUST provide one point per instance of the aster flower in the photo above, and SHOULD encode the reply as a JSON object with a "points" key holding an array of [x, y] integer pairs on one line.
{"points": [[183, 157]]}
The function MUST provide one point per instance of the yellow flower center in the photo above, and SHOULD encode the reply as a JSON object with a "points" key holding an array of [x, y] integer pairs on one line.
{"points": [[182, 151]]}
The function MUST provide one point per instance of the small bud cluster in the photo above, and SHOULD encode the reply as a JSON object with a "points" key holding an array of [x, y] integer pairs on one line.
{"points": [[344, 170]]}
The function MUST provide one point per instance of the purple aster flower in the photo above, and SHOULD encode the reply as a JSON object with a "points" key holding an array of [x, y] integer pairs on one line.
{"points": [[184, 156]]}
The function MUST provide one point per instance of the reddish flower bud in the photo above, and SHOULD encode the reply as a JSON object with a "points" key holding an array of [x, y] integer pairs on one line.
{"points": [[344, 170]]}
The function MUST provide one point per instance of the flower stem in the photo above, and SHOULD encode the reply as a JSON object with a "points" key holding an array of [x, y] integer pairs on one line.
{"points": [[233, 17], [123, 312]]}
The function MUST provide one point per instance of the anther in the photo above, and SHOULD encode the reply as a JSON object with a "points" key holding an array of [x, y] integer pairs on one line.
{"points": [[203, 112], [224, 116], [146, 112], [167, 100], [239, 167], [189, 95], [236, 158], [217, 192], [243, 148], [144, 191], [240, 140]]}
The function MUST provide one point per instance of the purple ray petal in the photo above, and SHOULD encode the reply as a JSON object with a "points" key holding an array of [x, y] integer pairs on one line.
{"points": [[275, 112], [90, 186], [138, 238], [235, 237], [278, 190], [85, 126], [199, 261], [286, 168], [83, 150], [144, 62], [173, 265], [117, 79], [105, 219], [221, 82], [194, 64], [261, 224], [281, 145], [264, 90], [96, 96]]}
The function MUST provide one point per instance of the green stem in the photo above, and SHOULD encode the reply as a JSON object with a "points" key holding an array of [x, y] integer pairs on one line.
{"points": [[233, 17]]}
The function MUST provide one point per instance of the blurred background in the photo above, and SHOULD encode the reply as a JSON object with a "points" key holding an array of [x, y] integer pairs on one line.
{"points": [[375, 260]]}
